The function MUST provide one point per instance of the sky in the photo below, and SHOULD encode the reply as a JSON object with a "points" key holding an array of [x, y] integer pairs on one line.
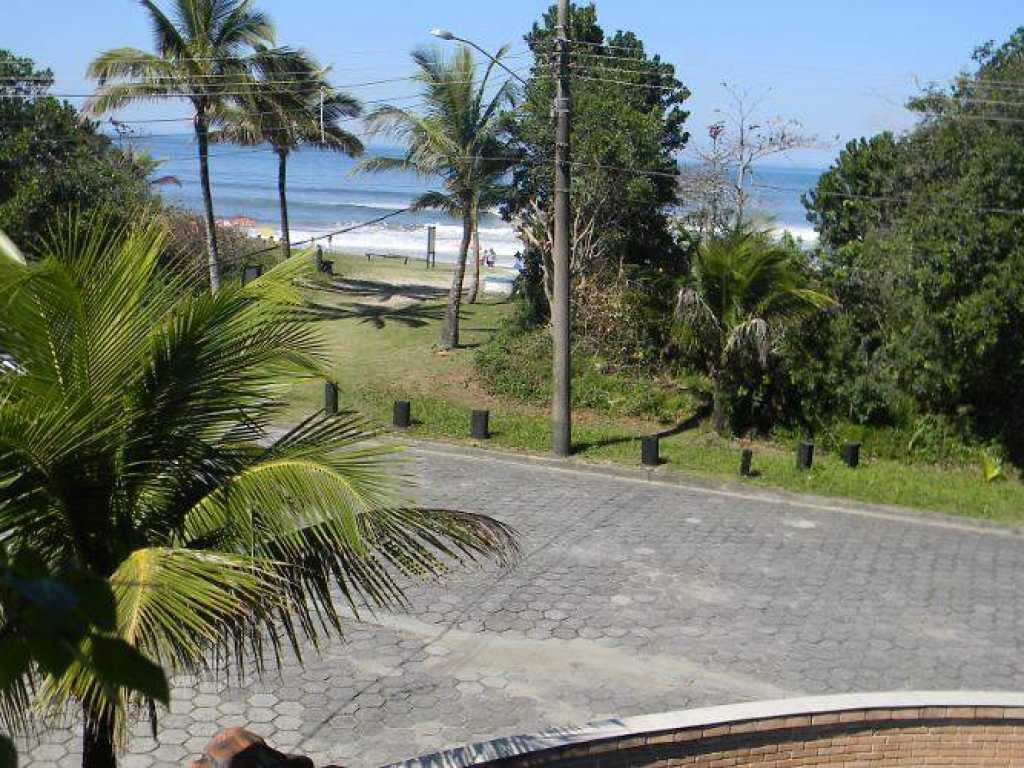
{"points": [[843, 68]]}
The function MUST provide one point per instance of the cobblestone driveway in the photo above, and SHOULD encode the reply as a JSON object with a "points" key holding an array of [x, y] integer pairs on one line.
{"points": [[632, 598]]}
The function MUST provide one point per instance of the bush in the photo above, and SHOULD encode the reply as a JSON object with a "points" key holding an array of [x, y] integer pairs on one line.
{"points": [[517, 364], [185, 248], [52, 161]]}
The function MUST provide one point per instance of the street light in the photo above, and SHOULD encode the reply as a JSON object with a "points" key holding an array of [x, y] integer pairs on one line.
{"points": [[447, 34], [561, 400]]}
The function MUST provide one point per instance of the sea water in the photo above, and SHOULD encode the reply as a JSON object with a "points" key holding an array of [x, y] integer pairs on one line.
{"points": [[325, 194]]}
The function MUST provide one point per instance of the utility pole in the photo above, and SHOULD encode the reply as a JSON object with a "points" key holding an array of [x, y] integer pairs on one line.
{"points": [[561, 407]]}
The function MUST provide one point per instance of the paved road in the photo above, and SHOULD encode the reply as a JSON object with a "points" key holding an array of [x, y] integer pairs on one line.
{"points": [[633, 598]]}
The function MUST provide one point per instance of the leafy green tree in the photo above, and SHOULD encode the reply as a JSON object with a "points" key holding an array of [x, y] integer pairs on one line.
{"points": [[207, 52], [452, 140], [844, 206], [51, 160], [923, 247], [746, 291], [291, 118], [134, 446], [627, 128]]}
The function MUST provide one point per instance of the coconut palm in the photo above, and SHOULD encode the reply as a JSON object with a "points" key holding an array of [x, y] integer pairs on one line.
{"points": [[135, 445], [747, 288], [489, 195], [451, 139], [307, 113], [205, 53]]}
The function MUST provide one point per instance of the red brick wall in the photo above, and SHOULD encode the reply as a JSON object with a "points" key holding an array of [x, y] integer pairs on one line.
{"points": [[900, 738]]}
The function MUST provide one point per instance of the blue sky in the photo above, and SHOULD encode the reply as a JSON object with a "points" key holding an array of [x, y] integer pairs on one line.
{"points": [[841, 67]]}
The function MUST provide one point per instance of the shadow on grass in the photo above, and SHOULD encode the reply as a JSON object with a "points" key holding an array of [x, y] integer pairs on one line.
{"points": [[374, 289], [412, 316], [684, 426]]}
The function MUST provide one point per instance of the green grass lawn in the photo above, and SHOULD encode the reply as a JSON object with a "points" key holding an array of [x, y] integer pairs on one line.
{"points": [[382, 338]]}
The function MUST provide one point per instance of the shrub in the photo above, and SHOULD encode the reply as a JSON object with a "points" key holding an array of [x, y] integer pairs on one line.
{"points": [[517, 364]]}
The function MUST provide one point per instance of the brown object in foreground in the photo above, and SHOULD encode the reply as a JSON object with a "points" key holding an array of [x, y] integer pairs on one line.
{"points": [[238, 748]]}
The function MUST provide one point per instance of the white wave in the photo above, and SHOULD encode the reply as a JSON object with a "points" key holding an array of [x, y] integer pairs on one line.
{"points": [[413, 242]]}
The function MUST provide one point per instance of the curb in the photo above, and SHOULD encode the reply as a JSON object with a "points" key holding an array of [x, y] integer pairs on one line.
{"points": [[666, 477]]}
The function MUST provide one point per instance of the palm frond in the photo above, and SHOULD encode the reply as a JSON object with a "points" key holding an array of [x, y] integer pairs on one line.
{"points": [[169, 41]]}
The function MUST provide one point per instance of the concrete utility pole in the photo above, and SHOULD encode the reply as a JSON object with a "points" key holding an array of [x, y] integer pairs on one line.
{"points": [[561, 407]]}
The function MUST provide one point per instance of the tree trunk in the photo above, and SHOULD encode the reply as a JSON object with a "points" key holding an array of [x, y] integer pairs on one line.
{"points": [[450, 328], [212, 255], [282, 193], [98, 741], [474, 286], [719, 417]]}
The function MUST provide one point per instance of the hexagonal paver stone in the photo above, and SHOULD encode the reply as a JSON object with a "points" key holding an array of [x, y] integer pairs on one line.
{"points": [[238, 748], [262, 700]]}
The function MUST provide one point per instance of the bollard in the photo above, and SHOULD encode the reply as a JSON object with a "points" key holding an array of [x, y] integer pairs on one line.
{"points": [[745, 462], [805, 456], [650, 451], [331, 398], [851, 455], [480, 425], [403, 414]]}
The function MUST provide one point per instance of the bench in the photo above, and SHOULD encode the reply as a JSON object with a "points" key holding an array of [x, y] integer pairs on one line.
{"points": [[323, 266], [370, 256]]}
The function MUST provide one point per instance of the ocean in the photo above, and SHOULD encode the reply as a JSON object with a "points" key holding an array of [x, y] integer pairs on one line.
{"points": [[324, 196]]}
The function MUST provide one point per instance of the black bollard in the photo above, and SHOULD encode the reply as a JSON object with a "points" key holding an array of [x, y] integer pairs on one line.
{"points": [[331, 398], [650, 451], [851, 455], [403, 414], [805, 456], [745, 462], [480, 425]]}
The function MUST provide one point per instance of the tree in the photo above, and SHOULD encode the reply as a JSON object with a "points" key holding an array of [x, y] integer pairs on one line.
{"points": [[48, 626], [720, 185], [844, 207], [134, 447], [206, 53], [51, 160], [290, 118], [746, 290], [451, 140], [921, 243], [627, 128], [489, 194]]}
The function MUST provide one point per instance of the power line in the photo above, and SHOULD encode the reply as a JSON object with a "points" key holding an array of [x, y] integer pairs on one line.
{"points": [[633, 85], [314, 239], [171, 94]]}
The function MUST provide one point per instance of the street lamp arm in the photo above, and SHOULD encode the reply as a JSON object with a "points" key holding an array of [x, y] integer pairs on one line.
{"points": [[444, 34]]}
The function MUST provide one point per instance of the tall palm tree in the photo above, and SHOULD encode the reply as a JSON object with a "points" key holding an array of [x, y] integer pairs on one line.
{"points": [[308, 112], [134, 446], [451, 140], [205, 53], [488, 194], [746, 290]]}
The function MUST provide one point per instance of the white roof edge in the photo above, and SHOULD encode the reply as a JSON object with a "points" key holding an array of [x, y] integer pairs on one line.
{"points": [[511, 746]]}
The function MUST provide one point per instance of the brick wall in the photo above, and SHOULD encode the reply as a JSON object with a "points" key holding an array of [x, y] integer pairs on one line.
{"points": [[875, 738]]}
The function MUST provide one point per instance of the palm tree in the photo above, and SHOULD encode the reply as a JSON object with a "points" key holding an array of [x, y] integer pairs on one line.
{"points": [[309, 112], [746, 290], [134, 446], [488, 194], [205, 54], [451, 140]]}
